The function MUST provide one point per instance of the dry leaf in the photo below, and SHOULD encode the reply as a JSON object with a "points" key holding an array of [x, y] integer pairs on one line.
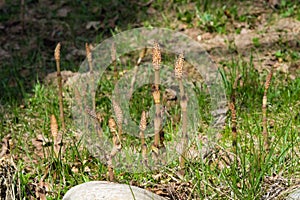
{"points": [[41, 145], [74, 169], [5, 146], [41, 190], [87, 169]]}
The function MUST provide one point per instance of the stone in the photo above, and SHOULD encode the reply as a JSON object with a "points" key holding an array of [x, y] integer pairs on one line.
{"points": [[295, 195], [98, 190]]}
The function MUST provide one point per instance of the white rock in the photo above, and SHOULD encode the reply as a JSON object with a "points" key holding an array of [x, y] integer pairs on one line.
{"points": [[99, 190], [295, 195]]}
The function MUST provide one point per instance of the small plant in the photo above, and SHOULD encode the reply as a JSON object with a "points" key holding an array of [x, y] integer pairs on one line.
{"points": [[156, 60], [55, 135], [116, 148], [90, 62], [59, 82], [183, 105], [142, 127], [256, 42], [119, 117], [264, 111], [212, 22], [288, 10], [233, 113], [186, 16]]}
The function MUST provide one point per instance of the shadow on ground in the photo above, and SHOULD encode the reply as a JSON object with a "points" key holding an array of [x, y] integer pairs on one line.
{"points": [[30, 32]]}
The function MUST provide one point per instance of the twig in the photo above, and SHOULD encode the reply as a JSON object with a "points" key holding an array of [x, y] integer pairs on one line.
{"points": [[59, 81]]}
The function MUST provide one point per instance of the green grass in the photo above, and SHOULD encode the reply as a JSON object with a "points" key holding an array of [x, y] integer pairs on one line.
{"points": [[244, 177], [27, 104]]}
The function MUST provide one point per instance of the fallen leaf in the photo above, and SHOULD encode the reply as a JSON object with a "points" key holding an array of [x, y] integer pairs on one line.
{"points": [[74, 169], [5, 146], [87, 169]]}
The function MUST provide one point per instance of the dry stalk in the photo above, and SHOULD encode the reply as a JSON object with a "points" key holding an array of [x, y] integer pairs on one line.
{"points": [[233, 112], [143, 125], [78, 99], [264, 111], [97, 118], [141, 56], [59, 81], [55, 135], [156, 60], [90, 62], [92, 112], [183, 104], [116, 148], [157, 118], [119, 117], [233, 124]]}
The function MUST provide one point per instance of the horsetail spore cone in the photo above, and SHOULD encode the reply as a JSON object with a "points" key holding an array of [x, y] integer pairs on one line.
{"points": [[59, 82]]}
